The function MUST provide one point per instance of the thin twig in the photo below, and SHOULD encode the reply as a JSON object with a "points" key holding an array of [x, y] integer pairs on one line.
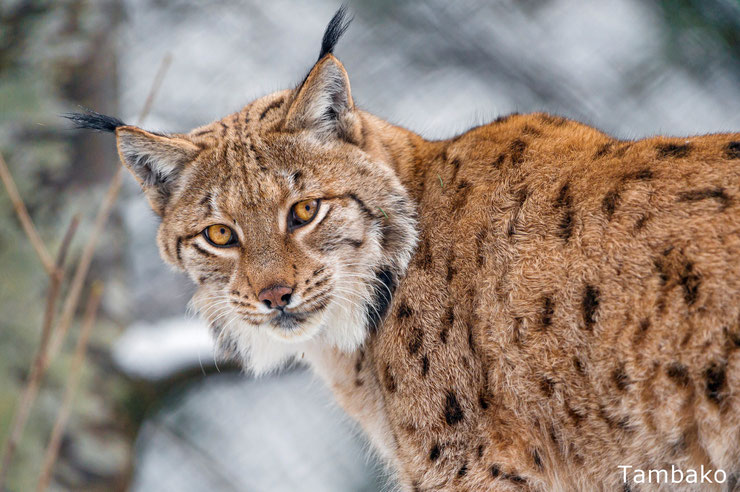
{"points": [[70, 388], [75, 289], [51, 344], [40, 360], [164, 65], [25, 219]]}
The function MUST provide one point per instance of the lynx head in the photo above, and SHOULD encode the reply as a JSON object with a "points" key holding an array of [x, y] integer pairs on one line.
{"points": [[294, 234]]}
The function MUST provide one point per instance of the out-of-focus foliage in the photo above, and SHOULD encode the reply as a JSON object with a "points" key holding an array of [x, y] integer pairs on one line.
{"points": [[702, 30], [52, 58]]}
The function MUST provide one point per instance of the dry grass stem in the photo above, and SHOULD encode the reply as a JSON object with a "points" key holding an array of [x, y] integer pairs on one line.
{"points": [[40, 360], [25, 219], [52, 339], [70, 387]]}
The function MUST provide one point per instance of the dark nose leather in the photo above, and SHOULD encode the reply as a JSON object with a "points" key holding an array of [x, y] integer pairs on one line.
{"points": [[277, 296]]}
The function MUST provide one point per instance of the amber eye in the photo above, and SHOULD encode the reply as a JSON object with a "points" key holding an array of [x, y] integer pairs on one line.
{"points": [[302, 213], [220, 235]]}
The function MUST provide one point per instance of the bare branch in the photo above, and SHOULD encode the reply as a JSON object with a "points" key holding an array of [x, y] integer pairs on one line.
{"points": [[164, 65], [73, 297], [70, 388], [40, 360], [25, 219], [52, 339]]}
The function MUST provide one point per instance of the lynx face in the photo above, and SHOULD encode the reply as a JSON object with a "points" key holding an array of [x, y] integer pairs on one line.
{"points": [[290, 238], [287, 215]]}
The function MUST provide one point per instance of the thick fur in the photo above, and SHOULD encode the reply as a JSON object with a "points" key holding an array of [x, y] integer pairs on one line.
{"points": [[572, 303]]}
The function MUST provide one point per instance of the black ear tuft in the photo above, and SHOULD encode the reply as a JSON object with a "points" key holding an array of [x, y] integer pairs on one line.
{"points": [[94, 121], [337, 26]]}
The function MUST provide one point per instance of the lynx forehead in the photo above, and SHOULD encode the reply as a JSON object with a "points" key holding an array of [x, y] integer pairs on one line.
{"points": [[527, 306]]}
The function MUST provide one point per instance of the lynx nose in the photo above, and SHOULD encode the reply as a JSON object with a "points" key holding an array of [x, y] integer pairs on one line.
{"points": [[277, 296]]}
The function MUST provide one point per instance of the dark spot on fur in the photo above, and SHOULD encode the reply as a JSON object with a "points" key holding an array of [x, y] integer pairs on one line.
{"points": [[578, 366], [732, 151], [531, 131], [517, 149], [483, 400], [451, 271], [642, 329], [499, 161], [517, 335], [642, 175], [435, 452], [565, 202], [733, 337], [462, 471], [640, 224], [537, 459], [206, 202], [423, 255], [447, 322], [554, 437], [461, 198], [678, 373], [716, 379], [358, 382], [547, 386], [424, 366], [471, 338], [404, 311], [673, 150], [515, 478], [610, 202], [625, 424], [390, 381], [690, 282], [453, 412], [733, 480], [718, 194], [480, 239], [603, 150], [575, 415], [548, 310], [495, 471], [416, 340], [590, 304], [479, 451], [620, 377], [443, 334]]}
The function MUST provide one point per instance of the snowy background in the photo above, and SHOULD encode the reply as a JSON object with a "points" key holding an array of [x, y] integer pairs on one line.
{"points": [[628, 67]]}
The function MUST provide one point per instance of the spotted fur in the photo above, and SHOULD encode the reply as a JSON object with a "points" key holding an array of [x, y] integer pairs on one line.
{"points": [[525, 306]]}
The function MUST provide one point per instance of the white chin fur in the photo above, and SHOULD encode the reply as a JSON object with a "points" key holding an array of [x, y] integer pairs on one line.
{"points": [[262, 349]]}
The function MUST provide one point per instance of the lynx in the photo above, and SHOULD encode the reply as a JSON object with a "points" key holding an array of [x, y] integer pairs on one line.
{"points": [[530, 305]]}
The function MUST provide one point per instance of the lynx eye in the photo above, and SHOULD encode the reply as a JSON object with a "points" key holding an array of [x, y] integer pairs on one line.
{"points": [[220, 235], [302, 213]]}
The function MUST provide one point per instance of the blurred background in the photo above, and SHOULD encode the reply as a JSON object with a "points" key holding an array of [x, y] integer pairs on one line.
{"points": [[154, 411]]}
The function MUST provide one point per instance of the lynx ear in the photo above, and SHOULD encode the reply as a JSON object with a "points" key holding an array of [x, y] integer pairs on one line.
{"points": [[323, 104], [156, 161]]}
